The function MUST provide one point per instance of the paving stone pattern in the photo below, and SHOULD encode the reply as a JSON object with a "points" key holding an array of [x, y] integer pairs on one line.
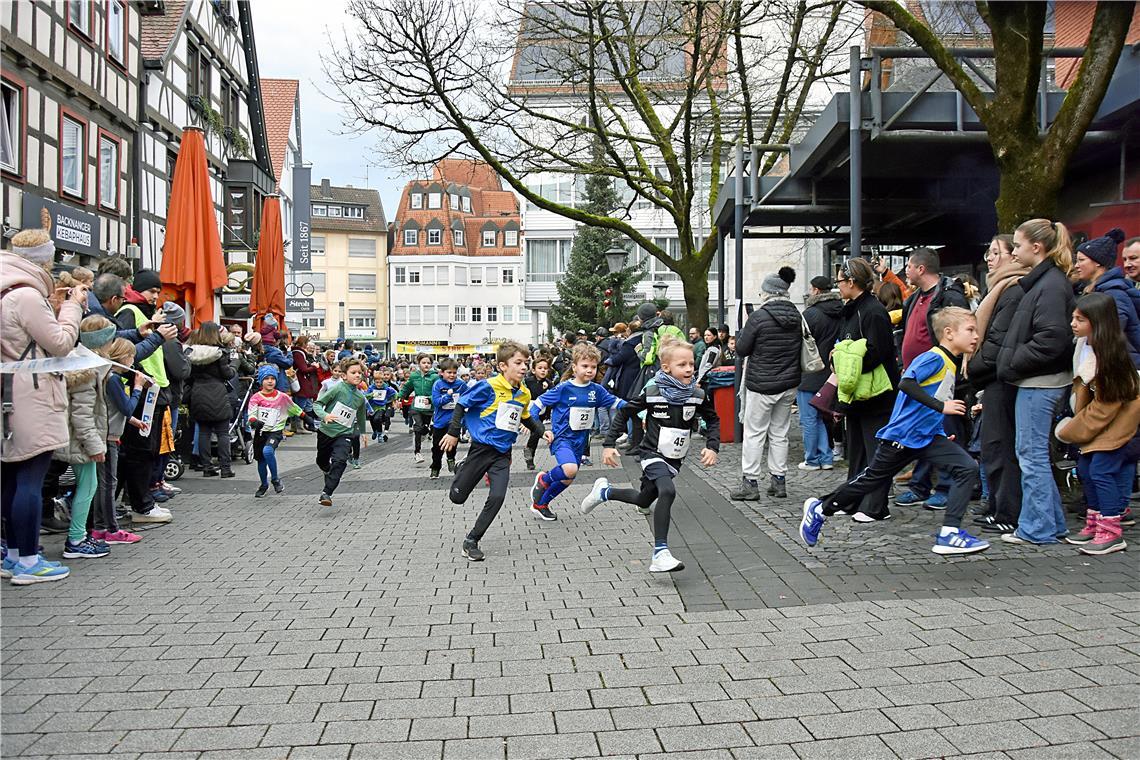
{"points": [[272, 628]]}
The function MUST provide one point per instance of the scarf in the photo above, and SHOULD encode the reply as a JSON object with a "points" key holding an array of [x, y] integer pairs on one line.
{"points": [[674, 391], [999, 279]]}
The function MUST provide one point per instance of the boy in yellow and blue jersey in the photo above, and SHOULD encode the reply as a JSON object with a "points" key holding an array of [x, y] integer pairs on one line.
{"points": [[915, 431], [493, 411]]}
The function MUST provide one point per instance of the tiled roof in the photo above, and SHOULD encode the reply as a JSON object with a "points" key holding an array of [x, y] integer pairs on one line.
{"points": [[1072, 21], [278, 97], [467, 172], [157, 31], [373, 220]]}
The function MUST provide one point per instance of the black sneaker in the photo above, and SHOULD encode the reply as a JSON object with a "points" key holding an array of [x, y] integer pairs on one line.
{"points": [[471, 550], [999, 527], [384, 438], [748, 491], [451, 466], [543, 513], [434, 474], [209, 472], [261, 490], [777, 487], [227, 473], [528, 457], [325, 499], [278, 486]]}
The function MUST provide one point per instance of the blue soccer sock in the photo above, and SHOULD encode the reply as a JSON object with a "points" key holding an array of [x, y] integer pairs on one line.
{"points": [[552, 490], [658, 546]]}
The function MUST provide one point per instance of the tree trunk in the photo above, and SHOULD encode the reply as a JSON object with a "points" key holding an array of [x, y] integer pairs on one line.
{"points": [[696, 286], [1028, 186]]}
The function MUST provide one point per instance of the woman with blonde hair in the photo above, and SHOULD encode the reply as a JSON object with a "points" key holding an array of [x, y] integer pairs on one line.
{"points": [[1036, 356]]}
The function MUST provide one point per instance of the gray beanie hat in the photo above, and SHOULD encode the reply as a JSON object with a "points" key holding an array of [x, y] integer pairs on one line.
{"points": [[174, 313], [773, 285], [647, 311]]}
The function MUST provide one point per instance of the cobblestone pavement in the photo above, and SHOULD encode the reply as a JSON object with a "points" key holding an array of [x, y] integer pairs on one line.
{"points": [[272, 628]]}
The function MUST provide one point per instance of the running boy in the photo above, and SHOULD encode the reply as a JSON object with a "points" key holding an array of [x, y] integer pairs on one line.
{"points": [[493, 410], [915, 432], [674, 406], [572, 404], [444, 394], [538, 381], [269, 410], [381, 398], [419, 384], [341, 409]]}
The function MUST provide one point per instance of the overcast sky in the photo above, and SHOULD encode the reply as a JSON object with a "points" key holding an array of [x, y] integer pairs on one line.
{"points": [[290, 35]]}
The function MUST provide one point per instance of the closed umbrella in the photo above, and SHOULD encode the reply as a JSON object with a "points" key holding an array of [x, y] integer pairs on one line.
{"points": [[268, 294], [192, 263]]}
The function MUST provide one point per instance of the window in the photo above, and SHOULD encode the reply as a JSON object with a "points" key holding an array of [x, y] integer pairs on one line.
{"points": [[316, 279], [453, 201], [72, 154], [524, 315], [546, 259], [320, 210], [401, 315], [411, 237], [413, 315], [361, 319], [429, 315], [237, 216], [460, 315], [108, 171], [227, 115], [79, 16], [492, 313], [362, 283], [417, 200], [508, 314], [467, 204], [442, 274], [354, 212], [197, 72], [362, 247], [511, 238], [461, 275], [314, 320], [490, 238], [401, 276], [235, 107], [11, 127], [476, 276], [476, 313], [492, 274], [317, 245], [435, 237], [508, 275], [116, 30], [428, 276], [435, 200], [334, 211], [458, 235]]}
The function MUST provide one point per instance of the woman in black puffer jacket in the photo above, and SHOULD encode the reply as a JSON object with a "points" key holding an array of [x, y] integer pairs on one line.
{"points": [[210, 368]]}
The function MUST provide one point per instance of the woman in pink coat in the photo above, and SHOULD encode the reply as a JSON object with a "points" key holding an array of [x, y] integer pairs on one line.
{"points": [[35, 424]]}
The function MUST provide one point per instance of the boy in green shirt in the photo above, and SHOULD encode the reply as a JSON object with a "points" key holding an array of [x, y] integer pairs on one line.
{"points": [[342, 410], [420, 384]]}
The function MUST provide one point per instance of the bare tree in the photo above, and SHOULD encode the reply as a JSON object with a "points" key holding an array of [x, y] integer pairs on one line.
{"points": [[1031, 164], [666, 87]]}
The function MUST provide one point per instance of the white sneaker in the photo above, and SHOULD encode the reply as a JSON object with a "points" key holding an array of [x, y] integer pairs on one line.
{"points": [[595, 497], [665, 562], [827, 467], [162, 510], [623, 439], [419, 458], [153, 516], [863, 517], [810, 467]]}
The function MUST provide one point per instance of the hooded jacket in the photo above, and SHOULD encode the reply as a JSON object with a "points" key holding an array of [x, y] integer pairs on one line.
{"points": [[282, 361], [144, 347], [210, 368], [86, 417], [1127, 300], [1039, 342], [771, 340], [306, 375], [133, 314], [865, 317], [823, 314], [39, 417]]}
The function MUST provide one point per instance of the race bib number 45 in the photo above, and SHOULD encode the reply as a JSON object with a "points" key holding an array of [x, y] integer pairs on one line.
{"points": [[673, 443], [508, 417]]}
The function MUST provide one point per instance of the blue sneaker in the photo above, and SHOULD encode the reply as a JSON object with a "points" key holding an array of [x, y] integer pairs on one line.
{"points": [[959, 543], [937, 501], [85, 549], [812, 522], [909, 498], [41, 572], [7, 568]]}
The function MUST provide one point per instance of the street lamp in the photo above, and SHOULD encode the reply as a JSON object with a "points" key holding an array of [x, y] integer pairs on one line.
{"points": [[615, 259], [660, 289]]}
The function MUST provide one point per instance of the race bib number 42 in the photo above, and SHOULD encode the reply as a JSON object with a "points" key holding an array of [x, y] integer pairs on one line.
{"points": [[581, 417], [673, 443], [508, 417]]}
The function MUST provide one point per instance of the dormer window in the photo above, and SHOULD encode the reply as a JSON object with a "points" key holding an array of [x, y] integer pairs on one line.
{"points": [[466, 204], [435, 200], [417, 200]]}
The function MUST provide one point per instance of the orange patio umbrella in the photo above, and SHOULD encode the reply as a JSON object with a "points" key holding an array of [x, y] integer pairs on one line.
{"points": [[268, 294], [192, 263]]}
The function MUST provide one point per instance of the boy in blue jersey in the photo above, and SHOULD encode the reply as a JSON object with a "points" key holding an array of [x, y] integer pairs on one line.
{"points": [[494, 410], [573, 405], [915, 431], [381, 398], [444, 393]]}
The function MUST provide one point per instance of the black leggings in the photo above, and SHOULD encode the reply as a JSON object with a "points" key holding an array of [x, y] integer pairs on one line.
{"points": [[437, 434], [381, 420], [496, 465], [332, 457], [656, 484], [421, 423]]}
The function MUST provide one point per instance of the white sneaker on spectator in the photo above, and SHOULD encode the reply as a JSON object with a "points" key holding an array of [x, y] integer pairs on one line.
{"points": [[153, 516]]}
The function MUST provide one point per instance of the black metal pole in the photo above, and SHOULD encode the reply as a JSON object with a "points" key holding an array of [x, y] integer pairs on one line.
{"points": [[738, 239], [855, 166], [720, 315]]}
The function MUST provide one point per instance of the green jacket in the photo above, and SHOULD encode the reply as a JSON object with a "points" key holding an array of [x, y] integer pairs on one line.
{"points": [[351, 397], [419, 384], [153, 365], [855, 384]]}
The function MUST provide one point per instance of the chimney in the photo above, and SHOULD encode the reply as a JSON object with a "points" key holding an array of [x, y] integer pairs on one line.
{"points": [[326, 187]]}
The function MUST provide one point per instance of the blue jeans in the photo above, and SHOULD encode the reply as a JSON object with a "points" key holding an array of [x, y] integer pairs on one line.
{"points": [[1042, 519], [817, 446], [602, 419], [1107, 480]]}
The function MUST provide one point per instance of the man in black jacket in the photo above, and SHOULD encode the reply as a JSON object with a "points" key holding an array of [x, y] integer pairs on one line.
{"points": [[932, 292], [823, 315], [771, 340]]}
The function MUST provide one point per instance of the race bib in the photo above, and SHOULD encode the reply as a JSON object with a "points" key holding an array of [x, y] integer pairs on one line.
{"points": [[422, 403], [268, 415], [581, 417], [345, 415], [673, 443], [449, 400], [508, 417], [379, 395]]}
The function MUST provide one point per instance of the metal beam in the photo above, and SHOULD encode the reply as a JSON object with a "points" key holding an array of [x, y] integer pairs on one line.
{"points": [[856, 151]]}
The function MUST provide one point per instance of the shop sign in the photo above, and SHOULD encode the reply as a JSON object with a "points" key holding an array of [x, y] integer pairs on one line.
{"points": [[72, 229], [303, 305], [302, 232], [235, 299]]}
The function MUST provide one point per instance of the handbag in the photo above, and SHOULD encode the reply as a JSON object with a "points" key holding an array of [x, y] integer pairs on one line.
{"points": [[826, 399], [810, 360]]}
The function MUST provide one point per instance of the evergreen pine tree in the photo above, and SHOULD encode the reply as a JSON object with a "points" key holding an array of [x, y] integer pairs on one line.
{"points": [[582, 292]]}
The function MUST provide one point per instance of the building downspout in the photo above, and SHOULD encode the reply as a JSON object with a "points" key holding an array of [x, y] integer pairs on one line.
{"points": [[137, 164]]}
